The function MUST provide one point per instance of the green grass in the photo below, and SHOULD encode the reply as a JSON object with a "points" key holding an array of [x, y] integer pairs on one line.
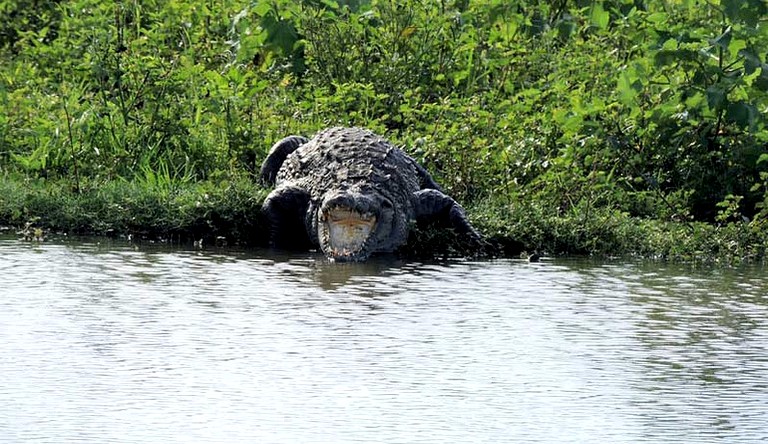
{"points": [[230, 212], [612, 233]]}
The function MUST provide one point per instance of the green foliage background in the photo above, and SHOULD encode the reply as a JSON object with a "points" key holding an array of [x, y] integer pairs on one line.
{"points": [[587, 111]]}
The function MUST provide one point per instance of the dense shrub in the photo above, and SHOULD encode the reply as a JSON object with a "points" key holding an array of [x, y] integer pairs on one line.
{"points": [[586, 107]]}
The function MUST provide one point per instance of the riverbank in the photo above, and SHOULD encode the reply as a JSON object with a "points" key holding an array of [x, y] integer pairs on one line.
{"points": [[229, 213], [618, 128]]}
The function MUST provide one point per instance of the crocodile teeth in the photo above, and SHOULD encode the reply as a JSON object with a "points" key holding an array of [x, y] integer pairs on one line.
{"points": [[348, 230]]}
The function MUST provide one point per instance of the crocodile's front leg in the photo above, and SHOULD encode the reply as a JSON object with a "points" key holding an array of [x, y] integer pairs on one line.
{"points": [[286, 211], [434, 206]]}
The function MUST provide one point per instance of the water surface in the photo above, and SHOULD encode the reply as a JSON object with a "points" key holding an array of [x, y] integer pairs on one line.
{"points": [[107, 342]]}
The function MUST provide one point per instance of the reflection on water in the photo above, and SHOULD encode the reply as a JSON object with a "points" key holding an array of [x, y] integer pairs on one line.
{"points": [[114, 343]]}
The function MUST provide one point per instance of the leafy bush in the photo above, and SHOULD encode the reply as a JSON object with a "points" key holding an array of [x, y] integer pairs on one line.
{"points": [[588, 108]]}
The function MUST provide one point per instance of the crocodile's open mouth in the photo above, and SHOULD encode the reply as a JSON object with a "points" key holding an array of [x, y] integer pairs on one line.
{"points": [[348, 230]]}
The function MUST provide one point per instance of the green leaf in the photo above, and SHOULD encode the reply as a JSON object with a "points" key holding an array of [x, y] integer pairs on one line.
{"points": [[761, 82], [751, 60], [715, 98], [565, 29], [627, 89], [731, 8], [281, 34], [670, 45], [724, 39], [666, 57], [736, 46], [747, 12], [262, 8], [694, 101], [407, 32], [600, 17], [658, 18], [742, 114]]}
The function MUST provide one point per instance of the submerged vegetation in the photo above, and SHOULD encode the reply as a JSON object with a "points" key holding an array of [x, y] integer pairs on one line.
{"points": [[605, 127]]}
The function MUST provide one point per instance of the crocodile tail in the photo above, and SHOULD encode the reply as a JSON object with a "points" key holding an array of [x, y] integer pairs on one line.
{"points": [[276, 157]]}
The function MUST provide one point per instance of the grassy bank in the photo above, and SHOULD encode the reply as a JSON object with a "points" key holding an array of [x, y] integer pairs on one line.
{"points": [[605, 127], [229, 214]]}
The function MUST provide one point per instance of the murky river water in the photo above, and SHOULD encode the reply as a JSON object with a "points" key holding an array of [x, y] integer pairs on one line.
{"points": [[112, 343]]}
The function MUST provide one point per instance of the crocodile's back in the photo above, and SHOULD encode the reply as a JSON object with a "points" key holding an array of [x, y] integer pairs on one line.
{"points": [[343, 157]]}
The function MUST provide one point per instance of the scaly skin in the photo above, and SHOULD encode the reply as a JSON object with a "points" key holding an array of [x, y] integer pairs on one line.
{"points": [[352, 192]]}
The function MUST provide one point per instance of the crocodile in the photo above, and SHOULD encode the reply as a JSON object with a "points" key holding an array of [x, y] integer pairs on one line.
{"points": [[351, 193]]}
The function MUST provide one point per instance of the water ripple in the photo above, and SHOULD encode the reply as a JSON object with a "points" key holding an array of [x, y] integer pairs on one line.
{"points": [[113, 343]]}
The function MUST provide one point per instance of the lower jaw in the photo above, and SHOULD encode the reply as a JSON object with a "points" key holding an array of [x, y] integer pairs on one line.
{"points": [[343, 245], [346, 256]]}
